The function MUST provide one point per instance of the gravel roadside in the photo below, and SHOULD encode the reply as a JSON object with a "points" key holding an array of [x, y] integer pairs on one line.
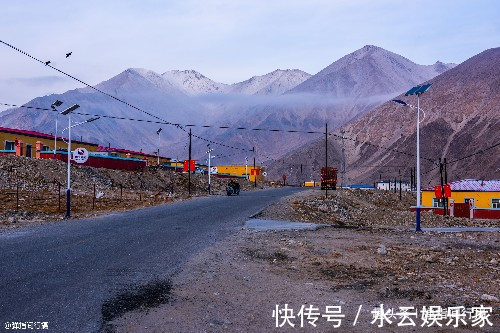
{"points": [[235, 285]]}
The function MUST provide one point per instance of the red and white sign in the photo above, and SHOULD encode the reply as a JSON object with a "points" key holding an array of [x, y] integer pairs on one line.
{"points": [[80, 155]]}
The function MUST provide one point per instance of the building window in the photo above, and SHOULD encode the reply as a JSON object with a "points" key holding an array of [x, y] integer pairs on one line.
{"points": [[9, 145], [46, 148], [437, 202], [495, 203], [468, 200]]}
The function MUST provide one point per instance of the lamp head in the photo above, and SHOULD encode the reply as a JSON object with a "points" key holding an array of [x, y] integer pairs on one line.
{"points": [[92, 119], [400, 102], [70, 109]]}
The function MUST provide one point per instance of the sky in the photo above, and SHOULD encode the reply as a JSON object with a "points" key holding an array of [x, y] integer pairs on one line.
{"points": [[226, 40]]}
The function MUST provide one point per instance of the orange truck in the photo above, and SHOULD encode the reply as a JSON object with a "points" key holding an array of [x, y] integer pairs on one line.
{"points": [[328, 178]]}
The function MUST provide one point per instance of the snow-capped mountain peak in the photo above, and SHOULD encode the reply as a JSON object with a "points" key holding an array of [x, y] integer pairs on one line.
{"points": [[193, 82], [273, 83]]}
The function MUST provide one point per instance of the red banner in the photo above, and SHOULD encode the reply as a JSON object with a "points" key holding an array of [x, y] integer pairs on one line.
{"points": [[437, 191], [186, 166]]}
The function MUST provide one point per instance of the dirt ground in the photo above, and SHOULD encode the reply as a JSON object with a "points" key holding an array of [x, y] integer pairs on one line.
{"points": [[33, 191], [355, 262]]}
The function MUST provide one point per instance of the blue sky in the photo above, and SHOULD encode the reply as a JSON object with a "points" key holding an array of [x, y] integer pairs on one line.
{"points": [[228, 41]]}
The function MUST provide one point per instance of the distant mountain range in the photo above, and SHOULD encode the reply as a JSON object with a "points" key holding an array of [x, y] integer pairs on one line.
{"points": [[282, 99], [461, 118]]}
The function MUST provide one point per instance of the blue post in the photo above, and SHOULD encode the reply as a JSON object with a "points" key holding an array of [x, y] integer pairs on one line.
{"points": [[418, 219]]}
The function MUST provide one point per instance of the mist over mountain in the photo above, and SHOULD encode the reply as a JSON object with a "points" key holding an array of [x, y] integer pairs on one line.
{"points": [[343, 91], [281, 100]]}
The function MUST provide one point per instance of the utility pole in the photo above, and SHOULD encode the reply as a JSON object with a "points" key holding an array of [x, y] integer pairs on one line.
{"points": [[446, 182], [326, 159], [189, 164], [57, 103], [158, 151], [441, 170], [343, 159], [400, 184], [246, 167], [209, 157], [254, 170]]}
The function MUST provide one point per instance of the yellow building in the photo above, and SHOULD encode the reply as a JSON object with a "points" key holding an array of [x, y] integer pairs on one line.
{"points": [[486, 193], [24, 143], [27, 143], [483, 196], [241, 171]]}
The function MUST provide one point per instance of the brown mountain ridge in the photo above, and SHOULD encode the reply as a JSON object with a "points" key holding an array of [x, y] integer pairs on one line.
{"points": [[462, 117]]}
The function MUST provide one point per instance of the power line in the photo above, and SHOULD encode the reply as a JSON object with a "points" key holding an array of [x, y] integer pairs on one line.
{"points": [[381, 147], [109, 95], [85, 83], [468, 156], [130, 119], [47, 64]]}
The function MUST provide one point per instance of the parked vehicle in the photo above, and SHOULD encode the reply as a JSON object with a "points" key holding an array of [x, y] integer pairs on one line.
{"points": [[233, 188], [328, 178]]}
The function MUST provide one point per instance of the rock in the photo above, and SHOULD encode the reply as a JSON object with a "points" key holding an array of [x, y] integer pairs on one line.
{"points": [[382, 250], [11, 219], [493, 261], [430, 258], [489, 298]]}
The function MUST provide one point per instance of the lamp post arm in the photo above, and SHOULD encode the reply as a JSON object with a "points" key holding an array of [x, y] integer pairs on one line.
{"points": [[416, 108]]}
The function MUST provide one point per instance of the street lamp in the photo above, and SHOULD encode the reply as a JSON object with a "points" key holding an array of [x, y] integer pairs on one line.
{"points": [[68, 190], [418, 90], [246, 167], [158, 133], [209, 171], [54, 105]]}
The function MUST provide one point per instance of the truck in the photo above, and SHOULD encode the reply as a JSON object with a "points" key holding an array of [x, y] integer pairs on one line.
{"points": [[328, 178]]}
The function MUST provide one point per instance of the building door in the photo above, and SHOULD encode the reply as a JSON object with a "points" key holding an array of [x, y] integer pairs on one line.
{"points": [[28, 150], [461, 209]]}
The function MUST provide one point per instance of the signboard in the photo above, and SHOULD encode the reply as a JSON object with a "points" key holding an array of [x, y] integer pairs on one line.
{"points": [[264, 174], [80, 155], [213, 170]]}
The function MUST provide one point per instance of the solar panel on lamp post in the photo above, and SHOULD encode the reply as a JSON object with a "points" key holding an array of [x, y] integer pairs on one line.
{"points": [[418, 90]]}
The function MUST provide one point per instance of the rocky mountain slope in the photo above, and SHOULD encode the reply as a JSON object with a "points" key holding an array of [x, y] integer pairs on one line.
{"points": [[462, 117]]}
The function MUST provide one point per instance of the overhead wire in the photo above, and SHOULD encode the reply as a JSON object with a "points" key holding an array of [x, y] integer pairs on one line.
{"points": [[162, 121], [113, 97]]}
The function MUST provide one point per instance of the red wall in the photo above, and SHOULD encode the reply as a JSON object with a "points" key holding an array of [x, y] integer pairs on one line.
{"points": [[478, 213], [486, 213], [102, 161]]}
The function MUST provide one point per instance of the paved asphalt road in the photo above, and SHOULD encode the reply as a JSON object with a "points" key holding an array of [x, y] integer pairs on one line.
{"points": [[63, 273]]}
